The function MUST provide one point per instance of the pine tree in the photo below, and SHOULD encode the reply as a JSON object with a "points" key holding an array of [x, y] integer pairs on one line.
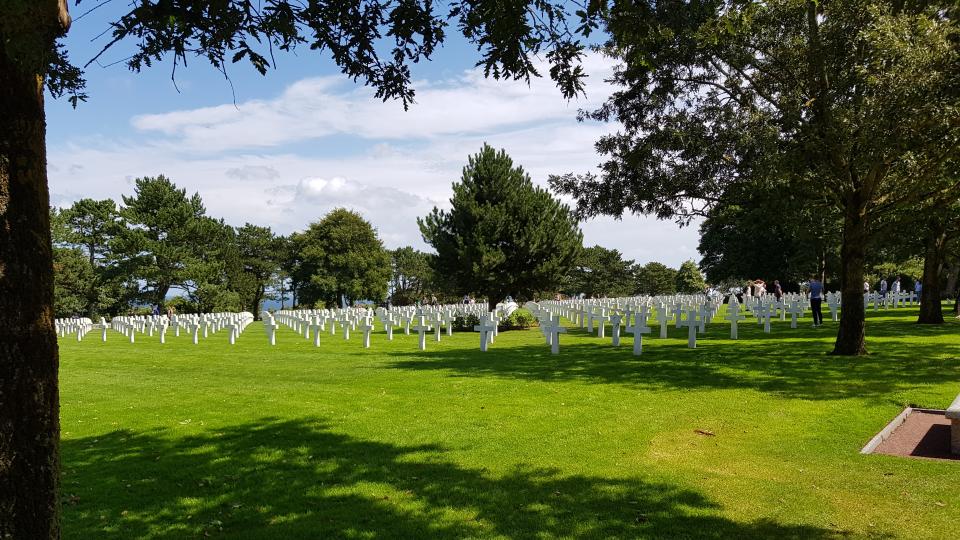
{"points": [[503, 236]]}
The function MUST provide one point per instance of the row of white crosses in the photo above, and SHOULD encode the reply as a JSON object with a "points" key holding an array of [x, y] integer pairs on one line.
{"points": [[421, 320], [889, 300], [74, 326], [195, 325], [693, 312]]}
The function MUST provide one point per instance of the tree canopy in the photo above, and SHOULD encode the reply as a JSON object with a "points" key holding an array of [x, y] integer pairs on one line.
{"points": [[601, 272], [342, 258], [412, 277], [689, 280], [856, 100], [655, 278], [502, 236]]}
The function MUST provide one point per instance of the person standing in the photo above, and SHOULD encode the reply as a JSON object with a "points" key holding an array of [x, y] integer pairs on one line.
{"points": [[816, 301], [777, 289], [883, 288], [866, 287], [917, 289], [896, 285]]}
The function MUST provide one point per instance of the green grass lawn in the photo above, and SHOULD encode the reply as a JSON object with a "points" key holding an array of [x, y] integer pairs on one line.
{"points": [[249, 441]]}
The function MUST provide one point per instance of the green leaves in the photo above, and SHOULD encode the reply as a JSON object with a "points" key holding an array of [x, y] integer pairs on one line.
{"points": [[503, 235], [689, 279], [341, 255], [601, 272]]}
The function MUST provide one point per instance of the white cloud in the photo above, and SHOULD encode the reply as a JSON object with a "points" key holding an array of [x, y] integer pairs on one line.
{"points": [[320, 107], [286, 161]]}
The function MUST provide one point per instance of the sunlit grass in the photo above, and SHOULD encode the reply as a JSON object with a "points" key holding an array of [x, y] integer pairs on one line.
{"points": [[249, 441]]}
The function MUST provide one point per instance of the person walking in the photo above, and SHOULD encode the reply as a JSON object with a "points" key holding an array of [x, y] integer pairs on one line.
{"points": [[917, 289], [883, 288], [777, 289], [816, 301]]}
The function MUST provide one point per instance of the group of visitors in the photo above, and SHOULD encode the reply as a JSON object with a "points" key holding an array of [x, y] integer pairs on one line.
{"points": [[758, 287]]}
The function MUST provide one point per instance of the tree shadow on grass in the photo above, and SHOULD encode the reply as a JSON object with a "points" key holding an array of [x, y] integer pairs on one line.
{"points": [[297, 479], [791, 362]]}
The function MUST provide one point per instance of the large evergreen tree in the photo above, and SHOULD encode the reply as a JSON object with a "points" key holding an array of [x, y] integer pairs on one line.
{"points": [[412, 277], [341, 259], [260, 257], [655, 279], [92, 225], [165, 239], [601, 272], [858, 99], [502, 236]]}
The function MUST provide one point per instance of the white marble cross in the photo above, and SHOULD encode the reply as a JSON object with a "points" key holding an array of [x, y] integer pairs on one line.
{"points": [[422, 328], [486, 330], [271, 328], [663, 317], [448, 319], [366, 328], [316, 328], [796, 310], [833, 303], [438, 321], [388, 326], [615, 321], [734, 316], [639, 328], [601, 319], [195, 329], [692, 325], [552, 329]]}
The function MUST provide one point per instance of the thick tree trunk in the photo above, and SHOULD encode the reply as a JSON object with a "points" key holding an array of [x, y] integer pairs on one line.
{"points": [[850, 338], [931, 311], [952, 279], [956, 304], [29, 400], [257, 297], [161, 295]]}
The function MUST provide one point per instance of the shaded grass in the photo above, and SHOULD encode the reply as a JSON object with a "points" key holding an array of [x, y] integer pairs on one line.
{"points": [[249, 441]]}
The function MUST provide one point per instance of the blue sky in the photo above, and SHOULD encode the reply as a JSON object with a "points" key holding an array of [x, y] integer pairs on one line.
{"points": [[303, 139]]}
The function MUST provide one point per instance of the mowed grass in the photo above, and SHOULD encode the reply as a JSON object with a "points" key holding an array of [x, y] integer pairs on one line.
{"points": [[292, 441]]}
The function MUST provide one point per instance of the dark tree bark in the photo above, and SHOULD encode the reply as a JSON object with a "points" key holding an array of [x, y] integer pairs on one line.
{"points": [[931, 311], [850, 338], [956, 304], [952, 279], [29, 399], [161, 295], [257, 297]]}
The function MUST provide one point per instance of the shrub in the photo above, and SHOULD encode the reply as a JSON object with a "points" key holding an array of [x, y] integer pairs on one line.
{"points": [[521, 319], [466, 323]]}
